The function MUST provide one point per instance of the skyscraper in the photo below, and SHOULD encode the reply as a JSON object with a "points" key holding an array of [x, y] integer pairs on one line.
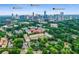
{"points": [[56, 17], [12, 16], [17, 16], [33, 16], [45, 16], [44, 13], [61, 15]]}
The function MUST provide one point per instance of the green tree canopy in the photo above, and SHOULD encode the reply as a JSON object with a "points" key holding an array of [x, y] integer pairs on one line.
{"points": [[18, 42]]}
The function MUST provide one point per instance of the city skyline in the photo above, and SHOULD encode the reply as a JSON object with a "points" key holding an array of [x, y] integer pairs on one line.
{"points": [[24, 9]]}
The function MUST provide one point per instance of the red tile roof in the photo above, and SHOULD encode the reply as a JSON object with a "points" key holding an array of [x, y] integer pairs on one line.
{"points": [[36, 30]]}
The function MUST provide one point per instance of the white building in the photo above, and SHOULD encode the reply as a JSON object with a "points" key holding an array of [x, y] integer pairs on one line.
{"points": [[54, 25]]}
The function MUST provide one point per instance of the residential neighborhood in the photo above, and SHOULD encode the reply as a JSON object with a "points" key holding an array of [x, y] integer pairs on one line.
{"points": [[42, 30]]}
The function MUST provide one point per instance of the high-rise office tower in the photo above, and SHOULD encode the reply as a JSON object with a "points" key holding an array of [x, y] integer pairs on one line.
{"points": [[61, 15], [45, 16], [12, 16], [33, 16], [56, 17], [16, 16], [44, 13]]}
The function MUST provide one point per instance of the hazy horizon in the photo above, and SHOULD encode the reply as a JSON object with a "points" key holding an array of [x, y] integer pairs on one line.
{"points": [[27, 9]]}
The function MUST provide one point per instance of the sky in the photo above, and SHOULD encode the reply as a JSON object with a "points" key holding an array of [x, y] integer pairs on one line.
{"points": [[24, 9]]}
